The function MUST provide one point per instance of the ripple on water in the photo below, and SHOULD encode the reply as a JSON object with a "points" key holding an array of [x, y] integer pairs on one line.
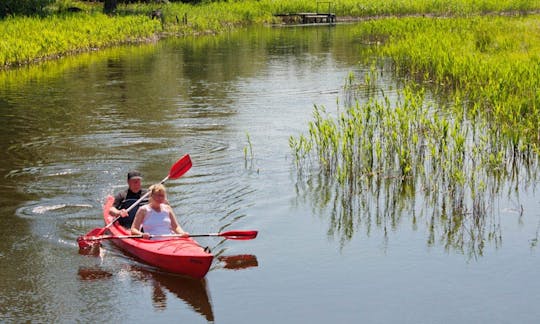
{"points": [[56, 221], [45, 209]]}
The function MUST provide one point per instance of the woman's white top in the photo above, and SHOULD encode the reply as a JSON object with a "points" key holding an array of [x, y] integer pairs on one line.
{"points": [[157, 222]]}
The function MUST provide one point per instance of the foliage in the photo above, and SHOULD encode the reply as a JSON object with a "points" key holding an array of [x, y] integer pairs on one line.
{"points": [[23, 7], [491, 62]]}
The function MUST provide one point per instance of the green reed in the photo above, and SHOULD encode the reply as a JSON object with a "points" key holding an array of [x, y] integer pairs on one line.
{"points": [[365, 8], [490, 62], [248, 150], [445, 160], [380, 158]]}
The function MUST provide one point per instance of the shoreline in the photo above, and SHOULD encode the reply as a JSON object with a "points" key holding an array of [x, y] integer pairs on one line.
{"points": [[157, 36]]}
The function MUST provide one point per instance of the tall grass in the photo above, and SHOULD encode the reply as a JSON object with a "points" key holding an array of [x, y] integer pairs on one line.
{"points": [[365, 8], [490, 62], [448, 158], [25, 39]]}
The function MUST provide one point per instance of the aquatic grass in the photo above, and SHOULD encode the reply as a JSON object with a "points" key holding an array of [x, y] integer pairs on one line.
{"points": [[28, 39], [493, 62], [366, 8], [248, 150], [381, 158]]}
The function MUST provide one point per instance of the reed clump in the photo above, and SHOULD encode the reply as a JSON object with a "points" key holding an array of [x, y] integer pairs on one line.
{"points": [[492, 63], [464, 129]]}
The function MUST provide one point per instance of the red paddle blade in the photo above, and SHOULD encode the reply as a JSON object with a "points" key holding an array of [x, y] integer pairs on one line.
{"points": [[180, 167], [85, 243], [239, 235]]}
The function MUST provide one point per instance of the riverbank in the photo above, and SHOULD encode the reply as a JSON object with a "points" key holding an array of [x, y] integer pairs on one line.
{"points": [[28, 40]]}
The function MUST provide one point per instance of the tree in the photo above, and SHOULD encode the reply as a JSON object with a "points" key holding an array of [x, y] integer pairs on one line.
{"points": [[23, 7], [109, 6]]}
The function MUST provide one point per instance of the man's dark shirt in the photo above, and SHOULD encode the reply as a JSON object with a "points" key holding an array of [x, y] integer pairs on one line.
{"points": [[126, 198]]}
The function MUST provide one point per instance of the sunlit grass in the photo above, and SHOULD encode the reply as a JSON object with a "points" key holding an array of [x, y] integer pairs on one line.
{"points": [[491, 63], [26, 39]]}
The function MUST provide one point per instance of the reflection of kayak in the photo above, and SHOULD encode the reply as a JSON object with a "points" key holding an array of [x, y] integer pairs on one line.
{"points": [[176, 255], [192, 291]]}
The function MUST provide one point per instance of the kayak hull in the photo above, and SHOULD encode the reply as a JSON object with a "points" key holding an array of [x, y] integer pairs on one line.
{"points": [[176, 255]]}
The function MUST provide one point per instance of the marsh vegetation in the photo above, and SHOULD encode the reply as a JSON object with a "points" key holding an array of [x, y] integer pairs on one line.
{"points": [[460, 133], [52, 28]]}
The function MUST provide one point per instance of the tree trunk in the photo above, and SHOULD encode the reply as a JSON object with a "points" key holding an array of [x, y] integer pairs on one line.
{"points": [[109, 7]]}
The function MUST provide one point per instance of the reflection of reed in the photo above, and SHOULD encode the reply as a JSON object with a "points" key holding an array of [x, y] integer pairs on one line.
{"points": [[379, 161]]}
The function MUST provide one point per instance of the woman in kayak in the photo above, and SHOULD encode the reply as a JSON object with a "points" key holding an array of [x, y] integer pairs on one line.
{"points": [[156, 218]]}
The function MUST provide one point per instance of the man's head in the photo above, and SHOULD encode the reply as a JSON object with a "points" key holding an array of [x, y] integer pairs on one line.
{"points": [[134, 180]]}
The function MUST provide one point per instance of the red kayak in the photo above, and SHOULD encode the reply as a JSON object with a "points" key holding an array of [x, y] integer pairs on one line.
{"points": [[176, 255]]}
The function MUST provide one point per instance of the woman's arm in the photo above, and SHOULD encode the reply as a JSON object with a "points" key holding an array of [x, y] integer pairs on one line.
{"points": [[174, 223], [136, 226]]}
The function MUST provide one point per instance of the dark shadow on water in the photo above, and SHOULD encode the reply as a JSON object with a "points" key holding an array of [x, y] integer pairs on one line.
{"points": [[93, 273], [193, 292]]}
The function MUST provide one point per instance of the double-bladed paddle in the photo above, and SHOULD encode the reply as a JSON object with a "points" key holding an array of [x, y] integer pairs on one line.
{"points": [[177, 170], [230, 235]]}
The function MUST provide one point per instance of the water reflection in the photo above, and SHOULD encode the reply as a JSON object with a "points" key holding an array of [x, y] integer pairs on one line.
{"points": [[193, 292], [238, 262], [93, 273]]}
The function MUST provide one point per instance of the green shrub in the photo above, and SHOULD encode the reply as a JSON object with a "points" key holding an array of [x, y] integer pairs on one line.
{"points": [[23, 7]]}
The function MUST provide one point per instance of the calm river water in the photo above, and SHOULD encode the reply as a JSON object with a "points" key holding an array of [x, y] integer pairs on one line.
{"points": [[71, 130]]}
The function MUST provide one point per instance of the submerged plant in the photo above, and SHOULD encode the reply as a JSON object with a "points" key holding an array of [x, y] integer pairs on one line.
{"points": [[248, 151]]}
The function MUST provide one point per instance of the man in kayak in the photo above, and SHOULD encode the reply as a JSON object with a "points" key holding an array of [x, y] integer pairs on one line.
{"points": [[124, 199], [157, 217]]}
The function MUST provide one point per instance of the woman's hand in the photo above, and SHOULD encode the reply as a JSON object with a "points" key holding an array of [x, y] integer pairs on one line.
{"points": [[183, 234]]}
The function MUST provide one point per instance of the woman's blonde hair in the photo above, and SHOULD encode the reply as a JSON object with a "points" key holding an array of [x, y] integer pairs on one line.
{"points": [[157, 188]]}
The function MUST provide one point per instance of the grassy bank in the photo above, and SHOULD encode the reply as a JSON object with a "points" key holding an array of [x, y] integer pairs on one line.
{"points": [[489, 66], [492, 64], [28, 39]]}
